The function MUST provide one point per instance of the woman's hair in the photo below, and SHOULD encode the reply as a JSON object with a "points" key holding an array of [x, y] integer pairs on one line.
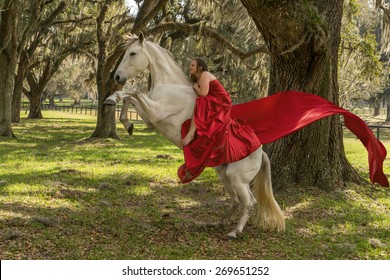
{"points": [[201, 65]]}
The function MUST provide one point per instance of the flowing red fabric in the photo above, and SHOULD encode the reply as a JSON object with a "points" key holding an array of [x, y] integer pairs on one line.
{"points": [[269, 118]]}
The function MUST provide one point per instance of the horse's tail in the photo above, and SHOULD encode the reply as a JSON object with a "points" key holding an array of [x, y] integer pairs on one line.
{"points": [[269, 213]]}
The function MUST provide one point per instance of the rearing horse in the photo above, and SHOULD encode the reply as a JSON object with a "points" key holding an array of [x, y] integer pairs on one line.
{"points": [[171, 101]]}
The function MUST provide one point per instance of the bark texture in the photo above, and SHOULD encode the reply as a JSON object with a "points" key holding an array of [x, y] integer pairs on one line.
{"points": [[303, 38], [8, 59]]}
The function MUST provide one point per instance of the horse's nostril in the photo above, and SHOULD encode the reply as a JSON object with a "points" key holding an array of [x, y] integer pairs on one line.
{"points": [[117, 78]]}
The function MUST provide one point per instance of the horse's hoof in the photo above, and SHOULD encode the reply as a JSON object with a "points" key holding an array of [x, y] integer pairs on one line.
{"points": [[232, 235], [130, 129], [109, 102]]}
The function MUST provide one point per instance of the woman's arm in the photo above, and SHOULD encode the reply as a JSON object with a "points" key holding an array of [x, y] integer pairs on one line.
{"points": [[202, 87]]}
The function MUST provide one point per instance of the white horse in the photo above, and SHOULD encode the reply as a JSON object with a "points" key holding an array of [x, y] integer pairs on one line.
{"points": [[171, 101]]}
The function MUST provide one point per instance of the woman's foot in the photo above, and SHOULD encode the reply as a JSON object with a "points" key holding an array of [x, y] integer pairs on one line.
{"points": [[188, 138]]}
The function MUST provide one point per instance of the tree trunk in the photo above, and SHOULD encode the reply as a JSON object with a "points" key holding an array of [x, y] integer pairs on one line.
{"points": [[376, 103], [106, 121], [35, 107], [34, 96], [16, 103], [6, 88], [303, 38], [52, 104], [387, 100], [8, 60], [377, 108], [18, 89]]}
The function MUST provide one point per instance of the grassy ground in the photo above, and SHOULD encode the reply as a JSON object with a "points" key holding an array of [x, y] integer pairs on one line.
{"points": [[65, 197]]}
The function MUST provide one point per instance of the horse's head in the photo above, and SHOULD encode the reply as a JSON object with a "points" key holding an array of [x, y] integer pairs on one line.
{"points": [[135, 60]]}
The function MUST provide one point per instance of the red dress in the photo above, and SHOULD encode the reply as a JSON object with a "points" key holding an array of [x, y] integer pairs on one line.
{"points": [[228, 133], [219, 139]]}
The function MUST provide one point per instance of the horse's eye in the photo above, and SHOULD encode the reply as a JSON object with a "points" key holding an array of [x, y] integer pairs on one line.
{"points": [[132, 53]]}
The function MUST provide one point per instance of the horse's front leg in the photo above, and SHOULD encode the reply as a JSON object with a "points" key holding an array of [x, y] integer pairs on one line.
{"points": [[150, 108], [117, 96], [140, 111], [129, 97], [129, 126]]}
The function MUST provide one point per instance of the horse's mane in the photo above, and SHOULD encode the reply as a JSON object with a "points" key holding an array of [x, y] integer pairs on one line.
{"points": [[129, 39]]}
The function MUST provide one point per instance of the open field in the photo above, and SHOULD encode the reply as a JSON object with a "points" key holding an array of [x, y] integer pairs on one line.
{"points": [[65, 197]]}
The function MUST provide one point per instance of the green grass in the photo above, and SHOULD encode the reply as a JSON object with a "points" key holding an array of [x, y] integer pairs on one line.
{"points": [[65, 197]]}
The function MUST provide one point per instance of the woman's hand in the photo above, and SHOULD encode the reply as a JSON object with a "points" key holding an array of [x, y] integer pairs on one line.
{"points": [[196, 87]]}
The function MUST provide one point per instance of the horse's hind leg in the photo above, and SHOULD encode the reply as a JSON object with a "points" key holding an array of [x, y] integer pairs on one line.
{"points": [[239, 175], [235, 201], [248, 202]]}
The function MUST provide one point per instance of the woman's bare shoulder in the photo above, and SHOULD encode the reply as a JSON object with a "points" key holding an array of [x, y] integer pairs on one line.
{"points": [[208, 76]]}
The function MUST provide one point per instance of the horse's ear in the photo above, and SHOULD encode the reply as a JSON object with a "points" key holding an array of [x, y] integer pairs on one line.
{"points": [[141, 37]]}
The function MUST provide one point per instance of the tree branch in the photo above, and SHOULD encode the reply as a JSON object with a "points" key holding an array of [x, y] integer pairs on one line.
{"points": [[53, 16], [141, 22], [72, 20], [207, 31]]}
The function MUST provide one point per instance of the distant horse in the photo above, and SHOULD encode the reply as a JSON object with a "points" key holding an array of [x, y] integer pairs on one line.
{"points": [[171, 101]]}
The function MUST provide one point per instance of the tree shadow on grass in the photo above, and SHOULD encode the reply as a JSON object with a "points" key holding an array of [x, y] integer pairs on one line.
{"points": [[64, 212], [336, 224], [129, 219]]}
